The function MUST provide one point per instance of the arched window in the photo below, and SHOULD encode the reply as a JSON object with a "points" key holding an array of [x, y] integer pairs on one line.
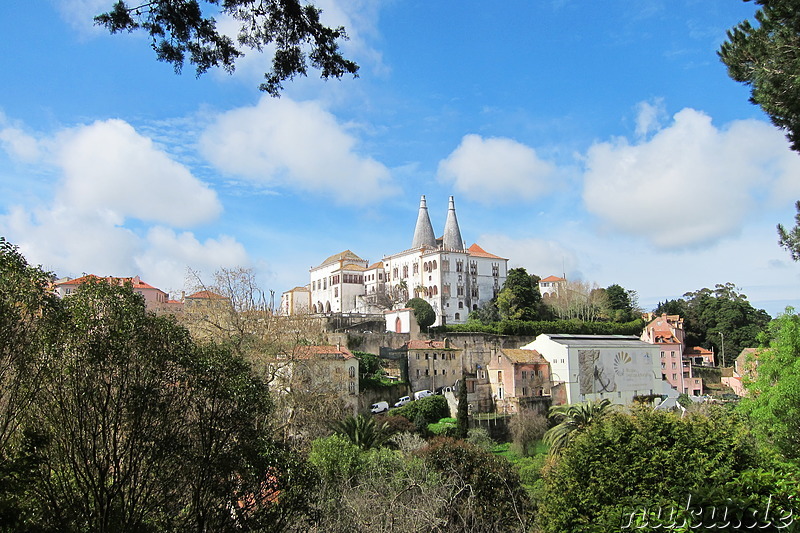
{"points": [[433, 265], [398, 327], [352, 372], [435, 290], [328, 307], [458, 316]]}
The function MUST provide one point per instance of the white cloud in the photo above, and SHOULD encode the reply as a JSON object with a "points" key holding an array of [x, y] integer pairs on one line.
{"points": [[19, 144], [649, 116], [295, 145], [80, 14], [108, 165], [538, 256], [690, 183], [496, 170], [167, 255], [110, 175]]}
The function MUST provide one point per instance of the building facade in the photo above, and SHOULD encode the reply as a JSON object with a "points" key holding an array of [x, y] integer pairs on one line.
{"points": [[453, 278], [596, 367]]}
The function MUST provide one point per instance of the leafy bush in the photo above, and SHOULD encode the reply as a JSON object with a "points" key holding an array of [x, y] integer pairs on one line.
{"points": [[445, 427], [480, 437], [425, 411], [423, 311]]}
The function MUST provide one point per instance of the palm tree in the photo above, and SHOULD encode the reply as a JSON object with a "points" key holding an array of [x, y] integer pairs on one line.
{"points": [[572, 420], [363, 431]]}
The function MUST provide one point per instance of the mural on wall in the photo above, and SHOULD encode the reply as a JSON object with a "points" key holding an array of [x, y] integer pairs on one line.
{"points": [[614, 369]]}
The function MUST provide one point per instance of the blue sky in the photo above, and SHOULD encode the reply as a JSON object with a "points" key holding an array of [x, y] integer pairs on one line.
{"points": [[603, 140]]}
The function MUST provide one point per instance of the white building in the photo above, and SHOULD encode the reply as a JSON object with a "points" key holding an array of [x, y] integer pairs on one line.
{"points": [[454, 279], [596, 367]]}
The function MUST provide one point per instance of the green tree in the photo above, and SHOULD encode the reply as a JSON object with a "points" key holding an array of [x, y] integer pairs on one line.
{"points": [[644, 461], [766, 57], [790, 239], [29, 318], [423, 311], [363, 431], [425, 411], [144, 430], [519, 297], [571, 420], [181, 31], [773, 400], [716, 316], [463, 409], [622, 303], [486, 494]]}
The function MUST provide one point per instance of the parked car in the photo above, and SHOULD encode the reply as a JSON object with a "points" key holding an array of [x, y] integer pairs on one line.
{"points": [[420, 394], [380, 407], [402, 401]]}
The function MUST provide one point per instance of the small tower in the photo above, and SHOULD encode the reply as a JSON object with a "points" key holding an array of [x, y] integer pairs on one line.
{"points": [[423, 232], [452, 234]]}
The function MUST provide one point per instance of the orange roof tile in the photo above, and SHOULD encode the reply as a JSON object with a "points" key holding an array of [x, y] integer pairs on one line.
{"points": [[135, 281], [477, 251], [347, 254], [552, 278], [207, 295], [373, 266], [523, 356]]}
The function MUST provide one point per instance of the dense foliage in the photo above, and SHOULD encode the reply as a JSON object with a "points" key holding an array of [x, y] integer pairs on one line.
{"points": [[120, 422], [716, 316], [423, 311], [524, 328], [766, 56], [424, 411], [773, 401], [181, 31], [645, 461]]}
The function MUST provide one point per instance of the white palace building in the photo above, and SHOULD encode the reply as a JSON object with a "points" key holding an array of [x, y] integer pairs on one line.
{"points": [[454, 279]]}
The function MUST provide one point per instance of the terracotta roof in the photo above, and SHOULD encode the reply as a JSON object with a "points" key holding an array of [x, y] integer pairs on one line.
{"points": [[477, 251], [697, 350], [351, 266], [298, 288], [347, 254], [426, 345], [135, 281], [207, 295], [552, 278], [523, 356], [310, 352], [373, 266]]}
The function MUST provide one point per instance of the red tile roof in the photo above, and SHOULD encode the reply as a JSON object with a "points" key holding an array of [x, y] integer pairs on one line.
{"points": [[552, 278], [477, 251], [207, 295], [135, 281], [523, 356]]}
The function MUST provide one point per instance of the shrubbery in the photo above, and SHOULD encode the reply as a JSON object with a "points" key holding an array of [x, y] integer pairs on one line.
{"points": [[425, 411], [534, 328]]}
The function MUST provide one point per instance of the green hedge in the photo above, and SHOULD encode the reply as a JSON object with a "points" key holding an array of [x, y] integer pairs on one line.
{"points": [[531, 328]]}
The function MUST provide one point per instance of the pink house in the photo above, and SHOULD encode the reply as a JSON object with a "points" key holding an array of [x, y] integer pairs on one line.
{"points": [[517, 378], [666, 331]]}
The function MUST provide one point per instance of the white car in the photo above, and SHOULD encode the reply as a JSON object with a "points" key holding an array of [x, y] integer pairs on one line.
{"points": [[402, 401], [380, 407], [420, 394]]}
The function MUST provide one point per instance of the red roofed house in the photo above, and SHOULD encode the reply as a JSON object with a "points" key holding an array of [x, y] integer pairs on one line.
{"points": [[666, 331], [550, 286], [517, 378], [154, 298]]}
